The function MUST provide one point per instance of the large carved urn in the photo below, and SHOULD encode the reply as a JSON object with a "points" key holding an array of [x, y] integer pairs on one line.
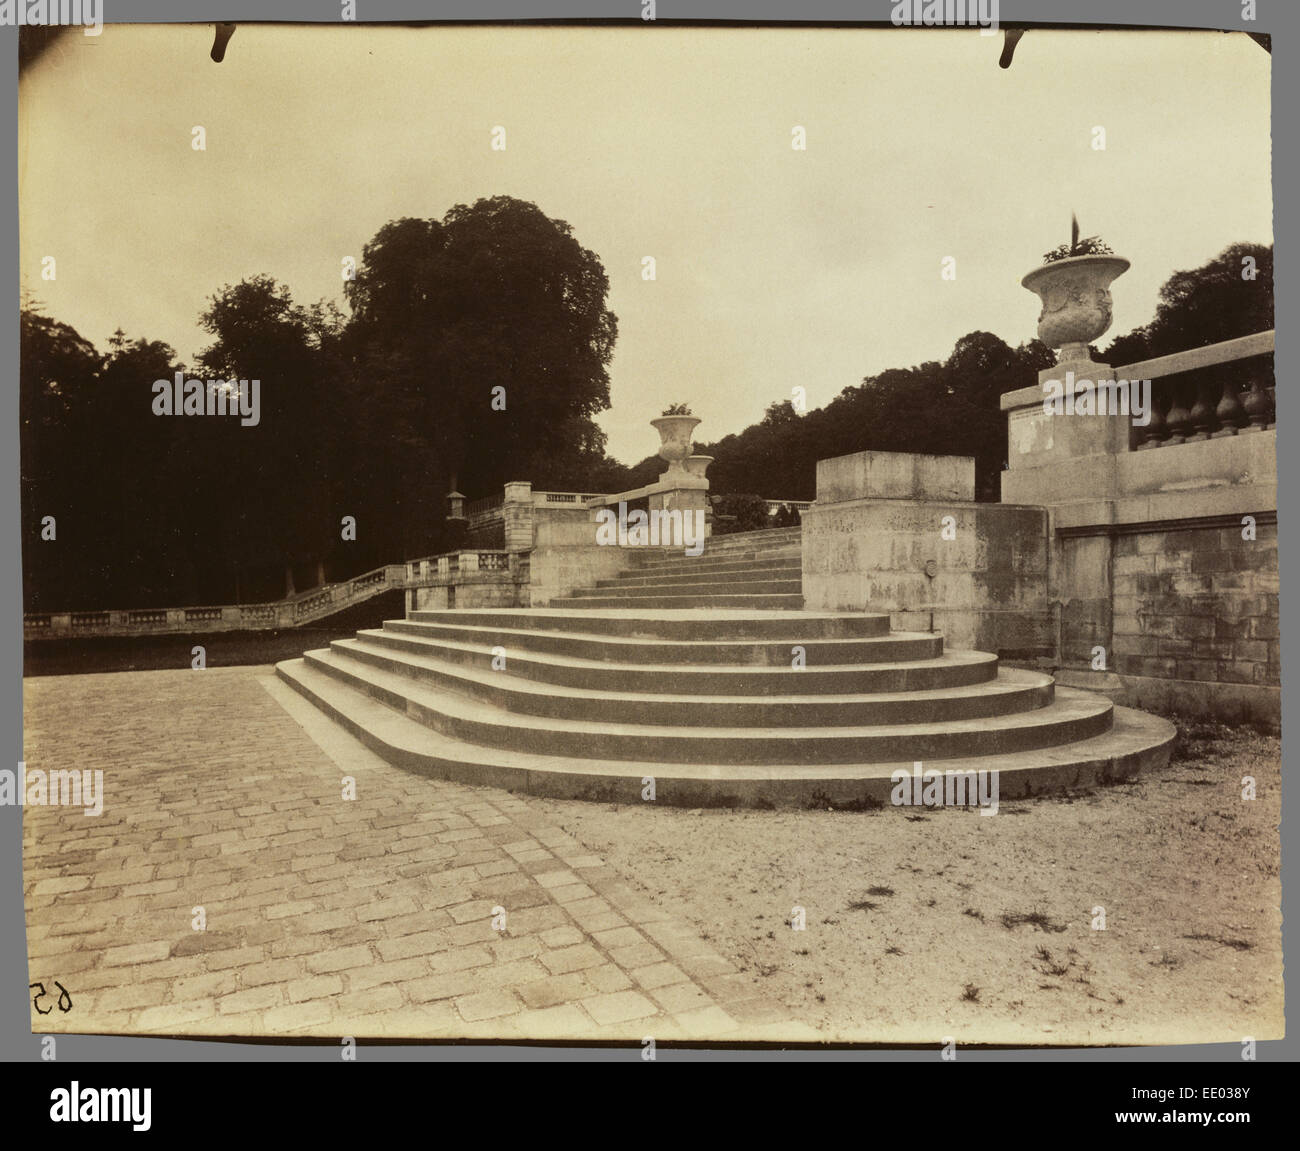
{"points": [[698, 465], [1076, 301], [675, 439]]}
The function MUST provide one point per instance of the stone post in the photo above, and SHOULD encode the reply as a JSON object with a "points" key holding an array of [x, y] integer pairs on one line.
{"points": [[517, 512]]}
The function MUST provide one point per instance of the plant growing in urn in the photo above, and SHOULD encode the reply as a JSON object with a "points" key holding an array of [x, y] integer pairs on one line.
{"points": [[1074, 286], [675, 429]]}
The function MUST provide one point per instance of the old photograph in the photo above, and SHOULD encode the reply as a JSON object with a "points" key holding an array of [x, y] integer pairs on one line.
{"points": [[649, 535]]}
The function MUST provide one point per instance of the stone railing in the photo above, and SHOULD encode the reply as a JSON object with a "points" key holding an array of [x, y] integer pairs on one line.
{"points": [[435, 571], [482, 509], [572, 499], [481, 577], [774, 506], [485, 523], [1220, 390], [287, 613]]}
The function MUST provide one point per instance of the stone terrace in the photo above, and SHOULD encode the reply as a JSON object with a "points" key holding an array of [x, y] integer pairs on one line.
{"points": [[329, 917]]}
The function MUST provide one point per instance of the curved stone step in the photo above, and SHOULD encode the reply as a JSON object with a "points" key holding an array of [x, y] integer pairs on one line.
{"points": [[731, 585], [891, 647], [785, 553], [760, 540], [729, 573], [1071, 716], [1135, 742], [789, 601], [831, 666], [791, 559], [1013, 691], [669, 625]]}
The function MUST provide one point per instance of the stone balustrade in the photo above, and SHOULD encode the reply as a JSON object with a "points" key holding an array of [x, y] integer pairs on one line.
{"points": [[481, 577], [304, 608], [1221, 390]]}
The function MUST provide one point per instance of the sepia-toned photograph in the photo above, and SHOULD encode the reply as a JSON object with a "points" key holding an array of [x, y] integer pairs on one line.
{"points": [[621, 533]]}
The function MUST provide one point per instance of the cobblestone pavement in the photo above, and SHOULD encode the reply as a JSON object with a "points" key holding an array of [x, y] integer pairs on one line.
{"points": [[326, 917]]}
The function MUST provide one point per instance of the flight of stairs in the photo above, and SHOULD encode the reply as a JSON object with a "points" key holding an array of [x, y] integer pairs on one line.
{"points": [[752, 702], [752, 570]]}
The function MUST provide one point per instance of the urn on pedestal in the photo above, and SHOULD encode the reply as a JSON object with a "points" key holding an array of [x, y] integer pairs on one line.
{"points": [[675, 430], [1075, 292]]}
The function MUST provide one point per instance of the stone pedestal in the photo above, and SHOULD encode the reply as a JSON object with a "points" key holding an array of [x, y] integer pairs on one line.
{"points": [[901, 532], [517, 512]]}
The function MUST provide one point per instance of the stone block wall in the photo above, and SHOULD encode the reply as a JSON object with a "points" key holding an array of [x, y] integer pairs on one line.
{"points": [[1196, 619], [874, 540], [565, 554], [470, 593]]}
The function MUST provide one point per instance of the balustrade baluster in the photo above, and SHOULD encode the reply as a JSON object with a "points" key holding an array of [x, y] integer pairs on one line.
{"points": [[1232, 416], [1178, 419], [1156, 429], [1259, 407], [1202, 415]]}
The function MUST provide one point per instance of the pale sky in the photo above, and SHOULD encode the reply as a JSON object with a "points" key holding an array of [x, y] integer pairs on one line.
{"points": [[775, 267]]}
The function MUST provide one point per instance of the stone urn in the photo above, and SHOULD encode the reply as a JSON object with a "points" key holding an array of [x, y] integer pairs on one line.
{"points": [[1076, 301], [698, 465], [675, 439]]}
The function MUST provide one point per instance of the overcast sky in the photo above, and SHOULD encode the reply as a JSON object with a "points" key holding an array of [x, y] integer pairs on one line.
{"points": [[775, 267]]}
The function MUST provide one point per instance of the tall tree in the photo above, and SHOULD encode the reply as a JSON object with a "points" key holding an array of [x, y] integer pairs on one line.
{"points": [[284, 512], [484, 341]]}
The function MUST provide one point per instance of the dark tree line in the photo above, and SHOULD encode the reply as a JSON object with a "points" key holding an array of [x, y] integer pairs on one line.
{"points": [[476, 352]]}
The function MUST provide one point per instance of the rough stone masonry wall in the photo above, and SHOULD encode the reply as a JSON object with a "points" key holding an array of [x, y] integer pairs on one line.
{"points": [[875, 541], [468, 592], [1196, 615], [565, 554]]}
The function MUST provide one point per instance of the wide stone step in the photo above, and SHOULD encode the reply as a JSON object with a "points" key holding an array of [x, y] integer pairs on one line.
{"points": [[735, 668], [674, 562], [890, 647], [1071, 716], [722, 586], [731, 573], [790, 602], [1134, 742], [725, 625], [1013, 691], [764, 537]]}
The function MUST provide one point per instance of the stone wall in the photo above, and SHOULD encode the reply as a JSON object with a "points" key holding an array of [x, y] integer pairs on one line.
{"points": [[1194, 625], [565, 554], [1160, 602], [467, 594]]}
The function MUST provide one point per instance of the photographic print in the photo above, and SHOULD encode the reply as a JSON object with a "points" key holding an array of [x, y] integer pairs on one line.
{"points": [[647, 534]]}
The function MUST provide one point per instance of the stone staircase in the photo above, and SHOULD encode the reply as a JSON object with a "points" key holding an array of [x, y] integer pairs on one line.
{"points": [[751, 570], [752, 702]]}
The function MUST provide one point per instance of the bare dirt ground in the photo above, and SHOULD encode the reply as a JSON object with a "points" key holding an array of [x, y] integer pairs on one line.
{"points": [[922, 925]]}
